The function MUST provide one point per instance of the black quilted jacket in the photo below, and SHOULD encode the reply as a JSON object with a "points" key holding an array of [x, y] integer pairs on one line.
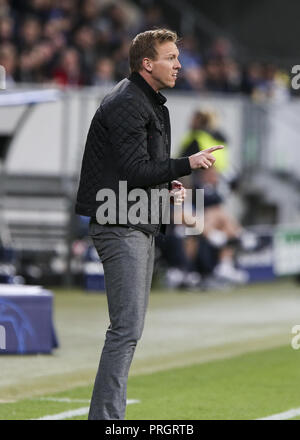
{"points": [[128, 140]]}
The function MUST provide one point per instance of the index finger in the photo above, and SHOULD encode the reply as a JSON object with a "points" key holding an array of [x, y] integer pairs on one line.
{"points": [[214, 148]]}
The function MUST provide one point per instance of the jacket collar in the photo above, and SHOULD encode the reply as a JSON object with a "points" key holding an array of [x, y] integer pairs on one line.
{"points": [[155, 97]]}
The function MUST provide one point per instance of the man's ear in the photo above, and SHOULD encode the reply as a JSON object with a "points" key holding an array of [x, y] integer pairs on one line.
{"points": [[147, 64]]}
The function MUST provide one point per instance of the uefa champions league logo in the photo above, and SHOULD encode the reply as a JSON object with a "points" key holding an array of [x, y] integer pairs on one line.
{"points": [[2, 338], [2, 78], [20, 326]]}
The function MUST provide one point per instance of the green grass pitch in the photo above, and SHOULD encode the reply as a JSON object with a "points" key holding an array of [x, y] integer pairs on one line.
{"points": [[203, 356], [245, 387]]}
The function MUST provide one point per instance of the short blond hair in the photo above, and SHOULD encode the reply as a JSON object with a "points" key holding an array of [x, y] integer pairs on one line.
{"points": [[144, 46]]}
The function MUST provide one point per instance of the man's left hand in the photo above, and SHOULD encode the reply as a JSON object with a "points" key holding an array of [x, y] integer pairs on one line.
{"points": [[178, 191]]}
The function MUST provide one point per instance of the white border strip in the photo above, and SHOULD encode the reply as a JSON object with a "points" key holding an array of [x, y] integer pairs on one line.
{"points": [[73, 412], [290, 414]]}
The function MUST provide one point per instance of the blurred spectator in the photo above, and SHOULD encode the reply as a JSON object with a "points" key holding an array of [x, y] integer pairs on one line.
{"points": [[26, 67], [104, 73], [192, 74], [36, 65], [221, 231], [8, 59], [121, 60], [203, 133], [152, 18], [274, 85], [69, 72], [113, 27], [89, 13], [192, 78], [30, 33], [214, 252], [42, 31], [53, 32], [214, 76], [220, 48], [4, 8], [6, 29], [232, 75], [40, 9], [189, 52], [263, 82], [223, 75], [44, 59], [252, 78], [85, 41]]}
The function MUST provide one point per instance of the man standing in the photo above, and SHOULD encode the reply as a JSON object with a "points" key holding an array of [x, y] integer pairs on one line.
{"points": [[129, 141]]}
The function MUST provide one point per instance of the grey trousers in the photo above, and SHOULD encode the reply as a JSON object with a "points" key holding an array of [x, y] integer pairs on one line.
{"points": [[128, 257]]}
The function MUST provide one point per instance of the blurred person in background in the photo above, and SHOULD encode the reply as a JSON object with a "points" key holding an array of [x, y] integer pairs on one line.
{"points": [[223, 73], [44, 59], [214, 79], [194, 79], [89, 13], [222, 233], [8, 59], [26, 68], [103, 29], [4, 8], [30, 33], [69, 71], [6, 30], [121, 60], [67, 11], [85, 43], [220, 48], [152, 17], [192, 76], [221, 230], [252, 78], [40, 9], [53, 32], [189, 52], [232, 75], [275, 85], [113, 29], [105, 73], [265, 82]]}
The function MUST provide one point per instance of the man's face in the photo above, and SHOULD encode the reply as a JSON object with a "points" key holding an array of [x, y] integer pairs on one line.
{"points": [[166, 66]]}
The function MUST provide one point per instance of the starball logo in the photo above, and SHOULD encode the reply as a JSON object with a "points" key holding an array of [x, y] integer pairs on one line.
{"points": [[2, 338], [2, 78], [296, 79]]}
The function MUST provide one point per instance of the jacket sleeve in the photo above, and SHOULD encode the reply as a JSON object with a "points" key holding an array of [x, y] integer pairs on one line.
{"points": [[128, 135]]}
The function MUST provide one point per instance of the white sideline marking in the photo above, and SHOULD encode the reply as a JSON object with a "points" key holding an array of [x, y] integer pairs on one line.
{"points": [[66, 414], [73, 412], [290, 414], [63, 399]]}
